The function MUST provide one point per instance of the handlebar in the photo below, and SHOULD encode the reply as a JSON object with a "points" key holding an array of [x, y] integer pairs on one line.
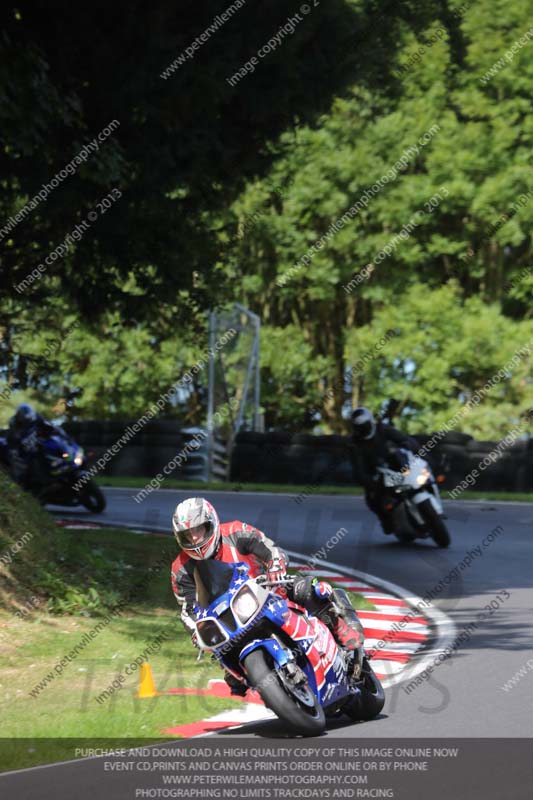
{"points": [[262, 580]]}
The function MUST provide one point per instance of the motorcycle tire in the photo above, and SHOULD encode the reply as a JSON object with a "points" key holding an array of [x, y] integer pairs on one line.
{"points": [[93, 498], [402, 525], [436, 527], [405, 537], [302, 719], [371, 699]]}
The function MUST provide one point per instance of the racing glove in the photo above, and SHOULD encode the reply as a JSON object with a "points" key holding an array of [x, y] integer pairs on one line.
{"points": [[276, 569]]}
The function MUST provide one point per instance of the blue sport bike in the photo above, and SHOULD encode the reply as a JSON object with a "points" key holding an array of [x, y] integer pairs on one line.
{"points": [[57, 472]]}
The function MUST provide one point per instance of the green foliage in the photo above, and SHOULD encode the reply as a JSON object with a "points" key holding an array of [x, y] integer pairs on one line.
{"points": [[445, 348], [186, 141], [291, 376], [116, 367], [71, 600], [122, 369], [234, 185], [478, 161]]}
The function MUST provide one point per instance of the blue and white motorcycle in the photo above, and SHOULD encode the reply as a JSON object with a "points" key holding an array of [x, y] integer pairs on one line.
{"points": [[278, 648]]}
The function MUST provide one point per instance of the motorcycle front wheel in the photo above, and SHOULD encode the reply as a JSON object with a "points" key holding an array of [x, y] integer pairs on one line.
{"points": [[405, 537], [435, 525], [403, 529], [300, 709], [93, 498]]}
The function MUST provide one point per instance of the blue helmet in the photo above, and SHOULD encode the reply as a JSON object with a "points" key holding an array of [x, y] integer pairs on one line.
{"points": [[25, 416]]}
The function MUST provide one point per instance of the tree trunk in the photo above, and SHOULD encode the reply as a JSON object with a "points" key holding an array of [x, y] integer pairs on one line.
{"points": [[330, 335]]}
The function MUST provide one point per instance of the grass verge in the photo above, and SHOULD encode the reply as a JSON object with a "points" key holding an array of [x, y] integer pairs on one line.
{"points": [[43, 698], [128, 482], [279, 488]]}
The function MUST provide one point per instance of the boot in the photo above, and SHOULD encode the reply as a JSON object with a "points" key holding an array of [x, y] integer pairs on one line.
{"points": [[346, 634], [342, 621], [238, 688]]}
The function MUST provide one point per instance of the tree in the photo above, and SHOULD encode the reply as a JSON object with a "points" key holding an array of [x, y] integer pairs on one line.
{"points": [[110, 369], [443, 353], [459, 208], [184, 140]]}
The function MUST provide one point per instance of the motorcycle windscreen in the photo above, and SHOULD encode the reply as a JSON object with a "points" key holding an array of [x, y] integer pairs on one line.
{"points": [[399, 459], [212, 579], [54, 446]]}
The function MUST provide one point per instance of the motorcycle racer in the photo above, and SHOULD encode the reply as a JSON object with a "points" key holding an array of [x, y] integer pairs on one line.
{"points": [[375, 441], [26, 428], [200, 535]]}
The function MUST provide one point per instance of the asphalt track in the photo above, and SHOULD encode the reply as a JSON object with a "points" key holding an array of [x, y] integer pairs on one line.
{"points": [[463, 697]]}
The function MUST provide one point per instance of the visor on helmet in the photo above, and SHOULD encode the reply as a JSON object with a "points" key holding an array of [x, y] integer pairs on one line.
{"points": [[364, 424], [185, 539], [364, 430]]}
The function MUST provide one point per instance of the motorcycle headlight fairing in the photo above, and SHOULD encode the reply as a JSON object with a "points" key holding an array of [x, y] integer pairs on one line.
{"points": [[244, 605], [210, 634], [423, 477]]}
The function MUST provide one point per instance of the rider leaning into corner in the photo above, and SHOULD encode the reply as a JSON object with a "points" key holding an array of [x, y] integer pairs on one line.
{"points": [[200, 535], [374, 441], [26, 429]]}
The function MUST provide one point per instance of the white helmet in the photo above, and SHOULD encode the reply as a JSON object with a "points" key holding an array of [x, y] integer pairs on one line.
{"points": [[193, 512]]}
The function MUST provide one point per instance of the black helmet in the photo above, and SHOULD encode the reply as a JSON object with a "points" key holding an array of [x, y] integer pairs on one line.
{"points": [[24, 416], [364, 424]]}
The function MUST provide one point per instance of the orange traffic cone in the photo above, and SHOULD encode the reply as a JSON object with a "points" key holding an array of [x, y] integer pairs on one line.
{"points": [[147, 684]]}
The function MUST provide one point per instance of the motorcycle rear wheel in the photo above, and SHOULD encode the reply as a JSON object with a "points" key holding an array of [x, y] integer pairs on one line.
{"points": [[369, 703], [306, 720]]}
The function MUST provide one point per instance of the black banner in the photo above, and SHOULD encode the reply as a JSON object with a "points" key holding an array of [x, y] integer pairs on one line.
{"points": [[230, 767]]}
